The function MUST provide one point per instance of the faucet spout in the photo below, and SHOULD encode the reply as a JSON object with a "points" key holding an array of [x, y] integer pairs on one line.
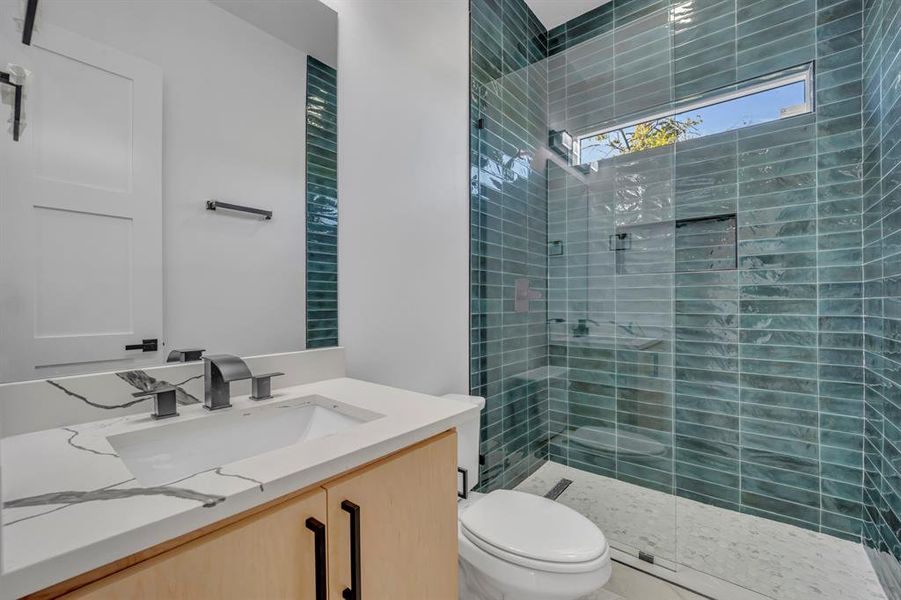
{"points": [[218, 371]]}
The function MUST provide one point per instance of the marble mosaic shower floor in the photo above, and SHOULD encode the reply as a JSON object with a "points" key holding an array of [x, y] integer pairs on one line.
{"points": [[780, 561]]}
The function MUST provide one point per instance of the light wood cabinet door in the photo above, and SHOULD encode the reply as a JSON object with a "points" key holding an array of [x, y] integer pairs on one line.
{"points": [[407, 525], [267, 556]]}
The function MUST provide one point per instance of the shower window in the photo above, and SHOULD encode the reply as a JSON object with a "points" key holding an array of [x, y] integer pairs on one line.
{"points": [[769, 98]]}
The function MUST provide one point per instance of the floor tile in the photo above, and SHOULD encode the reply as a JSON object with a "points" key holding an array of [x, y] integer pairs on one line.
{"points": [[777, 560]]}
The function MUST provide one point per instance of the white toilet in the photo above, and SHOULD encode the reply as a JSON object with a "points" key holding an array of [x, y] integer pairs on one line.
{"points": [[518, 546]]}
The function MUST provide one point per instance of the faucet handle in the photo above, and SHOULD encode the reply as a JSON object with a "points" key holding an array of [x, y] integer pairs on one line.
{"points": [[164, 403], [261, 386]]}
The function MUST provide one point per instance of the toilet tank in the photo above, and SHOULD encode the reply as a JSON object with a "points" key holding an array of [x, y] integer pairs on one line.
{"points": [[468, 438]]}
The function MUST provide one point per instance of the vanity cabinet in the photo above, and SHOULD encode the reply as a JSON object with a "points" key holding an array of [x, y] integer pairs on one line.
{"points": [[387, 531], [407, 523]]}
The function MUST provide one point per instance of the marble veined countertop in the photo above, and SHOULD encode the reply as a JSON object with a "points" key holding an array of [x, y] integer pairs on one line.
{"points": [[70, 504]]}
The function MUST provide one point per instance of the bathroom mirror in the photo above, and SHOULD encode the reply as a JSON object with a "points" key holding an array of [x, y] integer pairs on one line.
{"points": [[168, 181]]}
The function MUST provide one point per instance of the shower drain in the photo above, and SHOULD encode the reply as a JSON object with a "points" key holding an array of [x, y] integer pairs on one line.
{"points": [[558, 489]]}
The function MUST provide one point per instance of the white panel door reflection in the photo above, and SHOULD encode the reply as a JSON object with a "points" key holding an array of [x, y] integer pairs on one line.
{"points": [[80, 209]]}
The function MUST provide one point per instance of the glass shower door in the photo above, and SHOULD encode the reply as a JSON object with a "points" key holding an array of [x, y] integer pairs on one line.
{"points": [[611, 279], [611, 296]]}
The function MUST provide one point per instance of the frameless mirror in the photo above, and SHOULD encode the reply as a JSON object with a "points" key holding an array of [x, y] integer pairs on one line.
{"points": [[167, 181]]}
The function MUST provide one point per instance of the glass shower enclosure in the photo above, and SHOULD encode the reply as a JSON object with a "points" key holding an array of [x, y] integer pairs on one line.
{"points": [[667, 277]]}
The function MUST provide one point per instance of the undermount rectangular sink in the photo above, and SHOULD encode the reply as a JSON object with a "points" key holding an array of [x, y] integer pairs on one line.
{"points": [[165, 453]]}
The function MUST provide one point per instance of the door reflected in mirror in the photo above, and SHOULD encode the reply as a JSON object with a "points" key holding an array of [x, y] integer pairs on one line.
{"points": [[135, 115]]}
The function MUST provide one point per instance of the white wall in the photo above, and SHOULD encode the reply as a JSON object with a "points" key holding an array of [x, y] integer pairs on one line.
{"points": [[403, 80], [233, 129]]}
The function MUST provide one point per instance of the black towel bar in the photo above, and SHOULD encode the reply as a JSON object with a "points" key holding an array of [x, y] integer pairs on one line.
{"points": [[214, 204]]}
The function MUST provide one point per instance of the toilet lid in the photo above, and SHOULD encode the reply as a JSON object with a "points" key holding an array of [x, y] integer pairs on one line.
{"points": [[532, 527]]}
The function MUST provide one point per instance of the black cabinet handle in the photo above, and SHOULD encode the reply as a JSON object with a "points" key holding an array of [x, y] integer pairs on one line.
{"points": [[318, 530], [353, 592]]}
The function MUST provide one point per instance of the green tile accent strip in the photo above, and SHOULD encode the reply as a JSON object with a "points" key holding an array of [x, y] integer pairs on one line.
{"points": [[322, 204], [508, 350], [881, 85]]}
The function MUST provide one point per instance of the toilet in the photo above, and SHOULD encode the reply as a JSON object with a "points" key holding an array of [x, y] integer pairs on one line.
{"points": [[519, 546]]}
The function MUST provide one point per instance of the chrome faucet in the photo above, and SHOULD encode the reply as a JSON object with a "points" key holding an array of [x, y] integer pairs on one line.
{"points": [[218, 371]]}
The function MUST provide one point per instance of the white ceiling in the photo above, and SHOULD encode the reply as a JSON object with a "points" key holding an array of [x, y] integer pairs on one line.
{"points": [[308, 25], [557, 12]]}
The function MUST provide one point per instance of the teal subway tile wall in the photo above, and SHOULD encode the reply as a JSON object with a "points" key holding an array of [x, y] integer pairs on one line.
{"points": [[322, 204], [882, 292], [703, 312], [747, 380]]}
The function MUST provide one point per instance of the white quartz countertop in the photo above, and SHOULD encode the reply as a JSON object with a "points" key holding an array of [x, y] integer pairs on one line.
{"points": [[70, 504]]}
